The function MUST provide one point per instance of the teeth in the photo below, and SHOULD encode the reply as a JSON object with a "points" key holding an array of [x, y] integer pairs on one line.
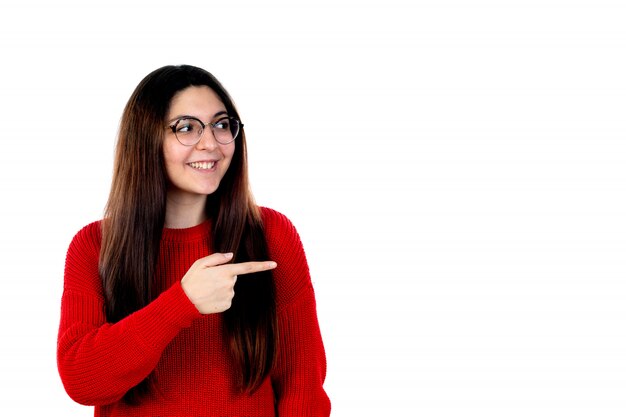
{"points": [[202, 165]]}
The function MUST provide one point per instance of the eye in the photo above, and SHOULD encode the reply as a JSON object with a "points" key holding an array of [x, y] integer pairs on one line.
{"points": [[187, 126], [222, 124]]}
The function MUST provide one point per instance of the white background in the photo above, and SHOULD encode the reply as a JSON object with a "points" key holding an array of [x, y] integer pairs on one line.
{"points": [[456, 170]]}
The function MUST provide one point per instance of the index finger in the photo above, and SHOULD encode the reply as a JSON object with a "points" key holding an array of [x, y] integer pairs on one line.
{"points": [[251, 267]]}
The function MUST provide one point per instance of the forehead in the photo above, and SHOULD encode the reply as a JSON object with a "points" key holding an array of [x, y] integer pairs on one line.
{"points": [[195, 101]]}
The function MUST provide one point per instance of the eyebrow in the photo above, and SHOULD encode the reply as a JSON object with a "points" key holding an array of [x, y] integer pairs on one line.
{"points": [[183, 116]]}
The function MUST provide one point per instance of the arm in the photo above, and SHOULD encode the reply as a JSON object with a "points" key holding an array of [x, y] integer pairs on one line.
{"points": [[98, 361], [300, 369], [301, 366]]}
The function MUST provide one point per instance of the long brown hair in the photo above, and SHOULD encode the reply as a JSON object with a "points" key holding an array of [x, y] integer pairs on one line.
{"points": [[135, 215]]}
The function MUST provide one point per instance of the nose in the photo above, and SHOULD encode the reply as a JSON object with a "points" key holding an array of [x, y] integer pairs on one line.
{"points": [[207, 139]]}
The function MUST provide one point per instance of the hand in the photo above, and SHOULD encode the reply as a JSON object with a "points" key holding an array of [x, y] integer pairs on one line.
{"points": [[210, 284]]}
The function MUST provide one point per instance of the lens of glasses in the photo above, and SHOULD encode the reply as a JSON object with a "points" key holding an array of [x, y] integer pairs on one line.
{"points": [[226, 130], [188, 131]]}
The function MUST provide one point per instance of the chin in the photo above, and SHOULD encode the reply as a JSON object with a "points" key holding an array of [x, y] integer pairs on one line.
{"points": [[208, 190]]}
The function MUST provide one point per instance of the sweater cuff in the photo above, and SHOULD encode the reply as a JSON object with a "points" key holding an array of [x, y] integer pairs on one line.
{"points": [[166, 316]]}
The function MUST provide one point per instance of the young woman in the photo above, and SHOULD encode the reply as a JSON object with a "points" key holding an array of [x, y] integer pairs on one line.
{"points": [[188, 299]]}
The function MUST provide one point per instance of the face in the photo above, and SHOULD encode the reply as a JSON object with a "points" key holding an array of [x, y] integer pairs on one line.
{"points": [[195, 171]]}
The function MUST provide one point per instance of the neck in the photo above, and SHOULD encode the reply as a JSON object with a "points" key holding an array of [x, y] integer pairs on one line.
{"points": [[184, 211]]}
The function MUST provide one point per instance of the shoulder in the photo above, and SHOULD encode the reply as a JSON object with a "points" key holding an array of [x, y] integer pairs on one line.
{"points": [[280, 232], [274, 219], [86, 242], [88, 237], [81, 262], [285, 247]]}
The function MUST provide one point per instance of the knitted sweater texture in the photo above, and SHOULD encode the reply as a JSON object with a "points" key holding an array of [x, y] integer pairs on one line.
{"points": [[99, 361]]}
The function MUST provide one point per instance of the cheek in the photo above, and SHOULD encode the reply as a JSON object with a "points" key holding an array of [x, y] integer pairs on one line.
{"points": [[171, 158], [167, 151], [229, 152], [167, 157]]}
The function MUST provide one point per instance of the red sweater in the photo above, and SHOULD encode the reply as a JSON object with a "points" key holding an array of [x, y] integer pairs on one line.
{"points": [[99, 362]]}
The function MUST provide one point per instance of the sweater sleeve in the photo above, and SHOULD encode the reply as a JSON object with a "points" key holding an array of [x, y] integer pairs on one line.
{"points": [[300, 370], [98, 361], [301, 366]]}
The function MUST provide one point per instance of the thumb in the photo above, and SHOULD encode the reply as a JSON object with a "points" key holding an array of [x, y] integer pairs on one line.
{"points": [[215, 259]]}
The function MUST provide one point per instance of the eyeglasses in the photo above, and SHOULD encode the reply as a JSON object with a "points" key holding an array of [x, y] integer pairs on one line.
{"points": [[188, 130]]}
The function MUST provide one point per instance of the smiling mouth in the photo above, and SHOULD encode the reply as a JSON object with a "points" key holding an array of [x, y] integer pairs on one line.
{"points": [[202, 165]]}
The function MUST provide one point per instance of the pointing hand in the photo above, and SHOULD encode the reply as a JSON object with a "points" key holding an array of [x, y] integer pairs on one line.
{"points": [[210, 281]]}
